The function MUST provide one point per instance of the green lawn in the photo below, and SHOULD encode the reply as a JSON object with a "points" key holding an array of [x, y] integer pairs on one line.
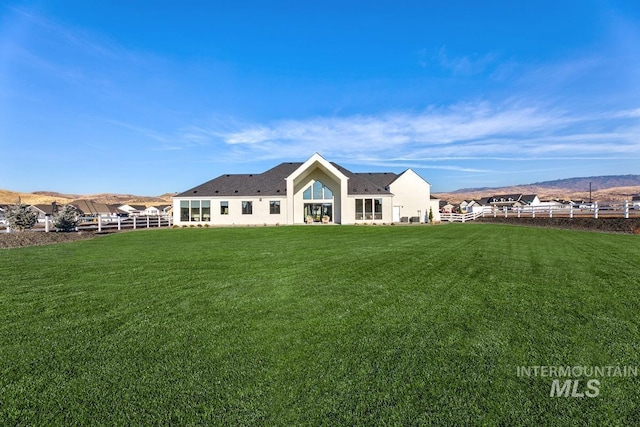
{"points": [[318, 325]]}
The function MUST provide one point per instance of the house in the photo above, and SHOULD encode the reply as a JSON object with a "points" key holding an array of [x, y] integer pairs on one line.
{"points": [[476, 206], [44, 210], [90, 208], [446, 207], [635, 201], [133, 210], [513, 200], [157, 210], [314, 191]]}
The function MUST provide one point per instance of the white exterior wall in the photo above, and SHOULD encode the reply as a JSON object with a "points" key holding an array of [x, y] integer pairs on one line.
{"points": [[350, 210], [413, 195], [261, 211]]}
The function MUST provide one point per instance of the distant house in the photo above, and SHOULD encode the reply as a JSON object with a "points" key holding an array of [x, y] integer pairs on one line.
{"points": [[90, 208], [133, 210], [635, 201], [44, 210], [513, 200], [157, 210], [314, 191], [446, 207], [476, 206]]}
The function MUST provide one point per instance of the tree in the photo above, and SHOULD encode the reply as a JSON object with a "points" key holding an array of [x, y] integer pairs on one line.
{"points": [[20, 217], [66, 219], [430, 216]]}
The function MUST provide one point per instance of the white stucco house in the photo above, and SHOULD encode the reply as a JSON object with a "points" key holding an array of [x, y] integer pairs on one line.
{"points": [[316, 191]]}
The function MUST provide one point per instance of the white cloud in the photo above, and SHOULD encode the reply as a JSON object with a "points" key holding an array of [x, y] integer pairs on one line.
{"points": [[514, 130]]}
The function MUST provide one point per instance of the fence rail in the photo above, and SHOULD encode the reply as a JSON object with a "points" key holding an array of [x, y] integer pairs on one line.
{"points": [[455, 217], [608, 210], [112, 224]]}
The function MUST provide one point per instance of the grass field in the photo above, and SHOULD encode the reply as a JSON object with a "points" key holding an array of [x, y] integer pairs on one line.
{"points": [[318, 325]]}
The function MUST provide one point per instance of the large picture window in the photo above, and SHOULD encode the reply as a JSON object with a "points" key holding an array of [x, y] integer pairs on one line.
{"points": [[195, 210], [247, 208], [317, 191]]}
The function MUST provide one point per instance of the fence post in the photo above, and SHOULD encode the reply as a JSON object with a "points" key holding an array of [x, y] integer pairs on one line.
{"points": [[46, 223], [519, 210], [119, 223], [134, 222], [533, 212], [506, 211], [147, 221], [159, 221], [550, 212], [595, 210], [626, 209], [99, 224], [571, 211]]}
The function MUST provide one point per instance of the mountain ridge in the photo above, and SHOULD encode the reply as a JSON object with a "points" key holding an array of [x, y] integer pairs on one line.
{"points": [[575, 184], [605, 187]]}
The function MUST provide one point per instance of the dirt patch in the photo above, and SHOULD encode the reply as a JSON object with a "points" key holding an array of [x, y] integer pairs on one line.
{"points": [[37, 238], [607, 225]]}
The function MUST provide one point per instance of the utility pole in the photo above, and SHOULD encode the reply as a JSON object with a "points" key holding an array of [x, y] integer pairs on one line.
{"points": [[590, 199]]}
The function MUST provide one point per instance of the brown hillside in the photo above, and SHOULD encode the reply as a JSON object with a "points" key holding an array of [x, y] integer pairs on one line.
{"points": [[46, 197], [545, 193]]}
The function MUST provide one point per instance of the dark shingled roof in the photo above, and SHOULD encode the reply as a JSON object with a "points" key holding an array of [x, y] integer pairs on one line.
{"points": [[272, 183]]}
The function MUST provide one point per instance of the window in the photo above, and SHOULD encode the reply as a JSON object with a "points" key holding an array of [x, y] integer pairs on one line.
{"points": [[206, 210], [247, 208], [224, 208], [317, 191], [184, 210], [195, 210], [274, 207], [306, 195], [368, 209], [377, 208], [358, 209]]}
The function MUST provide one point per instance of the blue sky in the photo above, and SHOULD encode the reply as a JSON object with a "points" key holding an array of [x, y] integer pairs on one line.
{"points": [[155, 97]]}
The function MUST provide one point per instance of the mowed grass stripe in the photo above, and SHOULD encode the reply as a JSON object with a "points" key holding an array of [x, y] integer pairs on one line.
{"points": [[317, 326]]}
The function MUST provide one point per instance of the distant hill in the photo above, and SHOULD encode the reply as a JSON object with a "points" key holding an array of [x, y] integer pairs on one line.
{"points": [[610, 187], [572, 184], [46, 197]]}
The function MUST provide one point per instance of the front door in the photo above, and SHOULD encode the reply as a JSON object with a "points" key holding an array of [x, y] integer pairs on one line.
{"points": [[396, 214]]}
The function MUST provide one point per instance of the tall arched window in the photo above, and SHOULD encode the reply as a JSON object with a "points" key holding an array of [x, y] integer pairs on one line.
{"points": [[317, 191]]}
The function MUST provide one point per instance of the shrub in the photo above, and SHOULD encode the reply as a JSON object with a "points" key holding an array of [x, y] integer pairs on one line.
{"points": [[66, 219], [20, 217]]}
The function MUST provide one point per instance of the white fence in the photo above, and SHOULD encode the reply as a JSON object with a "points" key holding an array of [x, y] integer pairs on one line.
{"points": [[455, 217], [111, 224], [603, 210]]}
